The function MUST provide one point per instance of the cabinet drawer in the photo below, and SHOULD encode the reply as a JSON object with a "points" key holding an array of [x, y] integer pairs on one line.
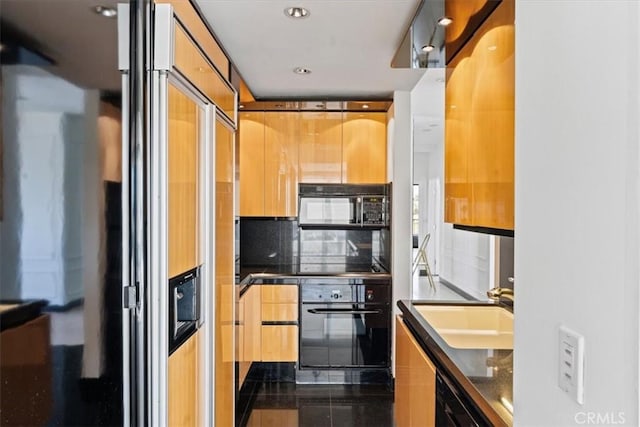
{"points": [[279, 343], [279, 294]]}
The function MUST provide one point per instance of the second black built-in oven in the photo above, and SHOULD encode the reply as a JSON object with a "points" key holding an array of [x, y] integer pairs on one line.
{"points": [[344, 323]]}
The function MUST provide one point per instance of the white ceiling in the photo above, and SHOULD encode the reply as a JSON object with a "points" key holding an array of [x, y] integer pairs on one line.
{"points": [[348, 45], [82, 44]]}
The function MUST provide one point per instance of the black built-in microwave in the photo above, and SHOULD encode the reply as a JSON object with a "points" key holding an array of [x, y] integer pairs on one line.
{"points": [[344, 205]]}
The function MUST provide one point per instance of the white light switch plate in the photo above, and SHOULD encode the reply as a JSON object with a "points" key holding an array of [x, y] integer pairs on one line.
{"points": [[571, 363]]}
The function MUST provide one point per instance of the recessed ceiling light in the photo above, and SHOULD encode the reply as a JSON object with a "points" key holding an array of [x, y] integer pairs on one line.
{"points": [[444, 21], [296, 12], [428, 48], [365, 106], [301, 70], [492, 48], [107, 12]]}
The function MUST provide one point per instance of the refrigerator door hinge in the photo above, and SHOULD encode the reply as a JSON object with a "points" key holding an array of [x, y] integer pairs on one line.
{"points": [[130, 296]]}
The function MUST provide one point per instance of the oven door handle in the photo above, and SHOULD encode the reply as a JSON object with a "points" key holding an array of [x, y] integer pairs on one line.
{"points": [[341, 311]]}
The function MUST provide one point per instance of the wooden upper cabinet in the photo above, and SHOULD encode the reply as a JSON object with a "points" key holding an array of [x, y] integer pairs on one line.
{"points": [[191, 20], [252, 161], [183, 189], [491, 147], [281, 163], [479, 126], [458, 197], [364, 145], [320, 146]]}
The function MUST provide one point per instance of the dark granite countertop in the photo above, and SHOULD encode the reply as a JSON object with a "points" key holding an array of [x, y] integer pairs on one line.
{"points": [[292, 273], [486, 375]]}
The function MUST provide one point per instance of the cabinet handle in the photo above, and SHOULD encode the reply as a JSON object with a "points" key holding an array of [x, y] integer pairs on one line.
{"points": [[341, 311]]}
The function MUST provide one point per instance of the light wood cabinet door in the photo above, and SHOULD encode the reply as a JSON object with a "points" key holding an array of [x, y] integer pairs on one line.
{"points": [[252, 162], [281, 164], [183, 383], [457, 188], [279, 343], [479, 126], [415, 384], [402, 392], [253, 324], [183, 141], [224, 280], [491, 147], [364, 144], [279, 293], [320, 140]]}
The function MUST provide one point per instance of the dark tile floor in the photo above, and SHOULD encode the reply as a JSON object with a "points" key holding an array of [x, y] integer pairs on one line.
{"points": [[270, 397]]}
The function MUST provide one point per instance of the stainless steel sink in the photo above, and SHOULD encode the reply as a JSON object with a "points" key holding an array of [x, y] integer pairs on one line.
{"points": [[471, 326]]}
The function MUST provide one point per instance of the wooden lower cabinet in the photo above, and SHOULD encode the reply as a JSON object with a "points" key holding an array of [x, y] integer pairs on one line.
{"points": [[249, 332], [279, 343], [279, 304], [183, 384], [415, 383]]}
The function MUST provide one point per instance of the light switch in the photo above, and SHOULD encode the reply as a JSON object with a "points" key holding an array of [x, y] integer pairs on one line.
{"points": [[571, 363]]}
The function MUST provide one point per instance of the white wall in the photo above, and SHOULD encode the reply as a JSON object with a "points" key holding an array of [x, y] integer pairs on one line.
{"points": [[466, 260], [577, 207], [401, 179]]}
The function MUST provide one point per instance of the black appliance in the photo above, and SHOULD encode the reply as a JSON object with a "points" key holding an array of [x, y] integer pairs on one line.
{"points": [[453, 409], [184, 307], [344, 205], [345, 323]]}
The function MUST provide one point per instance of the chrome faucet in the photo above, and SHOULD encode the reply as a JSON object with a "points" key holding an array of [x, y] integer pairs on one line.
{"points": [[498, 292]]}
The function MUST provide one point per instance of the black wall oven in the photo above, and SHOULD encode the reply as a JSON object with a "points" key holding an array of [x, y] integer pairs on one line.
{"points": [[345, 323]]}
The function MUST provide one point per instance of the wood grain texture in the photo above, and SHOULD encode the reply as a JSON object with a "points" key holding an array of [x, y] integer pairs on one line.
{"points": [[479, 126], [191, 62], [253, 324], [251, 163], [279, 312], [415, 383], [320, 148], [224, 278], [279, 294], [364, 144], [281, 163], [279, 343], [402, 397], [183, 384], [192, 21], [183, 140]]}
